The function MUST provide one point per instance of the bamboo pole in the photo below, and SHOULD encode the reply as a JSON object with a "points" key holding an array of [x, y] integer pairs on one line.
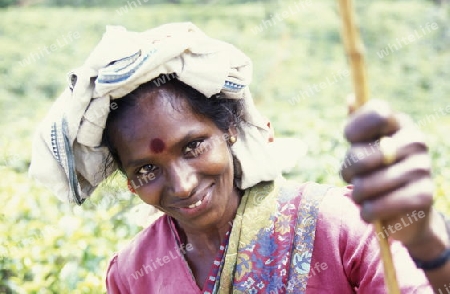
{"points": [[354, 49]]}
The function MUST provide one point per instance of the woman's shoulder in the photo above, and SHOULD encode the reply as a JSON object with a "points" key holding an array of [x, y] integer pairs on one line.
{"points": [[149, 237], [141, 266], [145, 244], [324, 195], [335, 208]]}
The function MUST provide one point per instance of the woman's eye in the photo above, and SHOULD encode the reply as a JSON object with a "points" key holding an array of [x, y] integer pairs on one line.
{"points": [[191, 147], [146, 169]]}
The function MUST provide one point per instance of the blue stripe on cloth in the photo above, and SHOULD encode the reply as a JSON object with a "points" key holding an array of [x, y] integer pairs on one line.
{"points": [[232, 86], [114, 75]]}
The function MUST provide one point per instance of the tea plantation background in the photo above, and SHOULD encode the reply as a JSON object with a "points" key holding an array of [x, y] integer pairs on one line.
{"points": [[53, 247]]}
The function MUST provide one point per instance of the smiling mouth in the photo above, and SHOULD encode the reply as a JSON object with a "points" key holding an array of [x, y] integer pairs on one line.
{"points": [[196, 204], [200, 205], [199, 202]]}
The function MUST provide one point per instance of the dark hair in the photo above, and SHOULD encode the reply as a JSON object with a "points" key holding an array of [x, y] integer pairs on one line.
{"points": [[224, 112]]}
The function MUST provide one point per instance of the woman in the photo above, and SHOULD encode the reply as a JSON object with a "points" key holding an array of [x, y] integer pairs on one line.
{"points": [[171, 109]]}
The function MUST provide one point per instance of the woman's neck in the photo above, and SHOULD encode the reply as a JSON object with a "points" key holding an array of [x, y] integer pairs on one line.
{"points": [[209, 239]]}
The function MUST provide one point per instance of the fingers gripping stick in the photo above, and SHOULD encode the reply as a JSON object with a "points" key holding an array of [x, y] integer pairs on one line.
{"points": [[354, 48]]}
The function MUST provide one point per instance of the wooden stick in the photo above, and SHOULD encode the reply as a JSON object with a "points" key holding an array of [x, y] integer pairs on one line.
{"points": [[354, 48]]}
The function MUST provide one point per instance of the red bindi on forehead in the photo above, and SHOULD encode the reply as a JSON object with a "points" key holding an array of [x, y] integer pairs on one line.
{"points": [[157, 145]]}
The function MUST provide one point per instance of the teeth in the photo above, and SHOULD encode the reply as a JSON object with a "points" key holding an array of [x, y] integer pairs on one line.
{"points": [[195, 204]]}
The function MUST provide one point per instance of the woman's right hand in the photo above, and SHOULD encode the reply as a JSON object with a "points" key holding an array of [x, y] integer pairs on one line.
{"points": [[392, 182]]}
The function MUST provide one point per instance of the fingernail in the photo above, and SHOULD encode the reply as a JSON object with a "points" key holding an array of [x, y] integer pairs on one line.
{"points": [[367, 211]]}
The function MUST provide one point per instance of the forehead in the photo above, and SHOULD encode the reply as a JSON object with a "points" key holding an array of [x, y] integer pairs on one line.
{"points": [[161, 114]]}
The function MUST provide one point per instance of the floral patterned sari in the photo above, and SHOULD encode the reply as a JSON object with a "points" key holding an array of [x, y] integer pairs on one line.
{"points": [[271, 241]]}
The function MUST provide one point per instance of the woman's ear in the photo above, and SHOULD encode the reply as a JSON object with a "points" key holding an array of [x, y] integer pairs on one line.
{"points": [[232, 135]]}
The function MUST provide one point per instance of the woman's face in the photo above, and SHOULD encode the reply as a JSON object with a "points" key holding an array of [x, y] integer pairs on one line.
{"points": [[177, 161]]}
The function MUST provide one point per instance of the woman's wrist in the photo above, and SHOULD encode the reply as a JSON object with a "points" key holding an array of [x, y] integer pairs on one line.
{"points": [[432, 246]]}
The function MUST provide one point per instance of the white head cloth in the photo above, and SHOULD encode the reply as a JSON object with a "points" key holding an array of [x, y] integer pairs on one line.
{"points": [[67, 155]]}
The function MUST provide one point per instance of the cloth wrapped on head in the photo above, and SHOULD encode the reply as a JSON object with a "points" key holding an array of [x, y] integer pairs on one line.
{"points": [[67, 154]]}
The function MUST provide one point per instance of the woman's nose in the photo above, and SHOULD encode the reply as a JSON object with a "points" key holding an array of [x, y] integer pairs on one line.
{"points": [[181, 179]]}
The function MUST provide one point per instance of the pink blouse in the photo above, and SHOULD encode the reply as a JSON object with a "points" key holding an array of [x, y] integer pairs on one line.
{"points": [[345, 259]]}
